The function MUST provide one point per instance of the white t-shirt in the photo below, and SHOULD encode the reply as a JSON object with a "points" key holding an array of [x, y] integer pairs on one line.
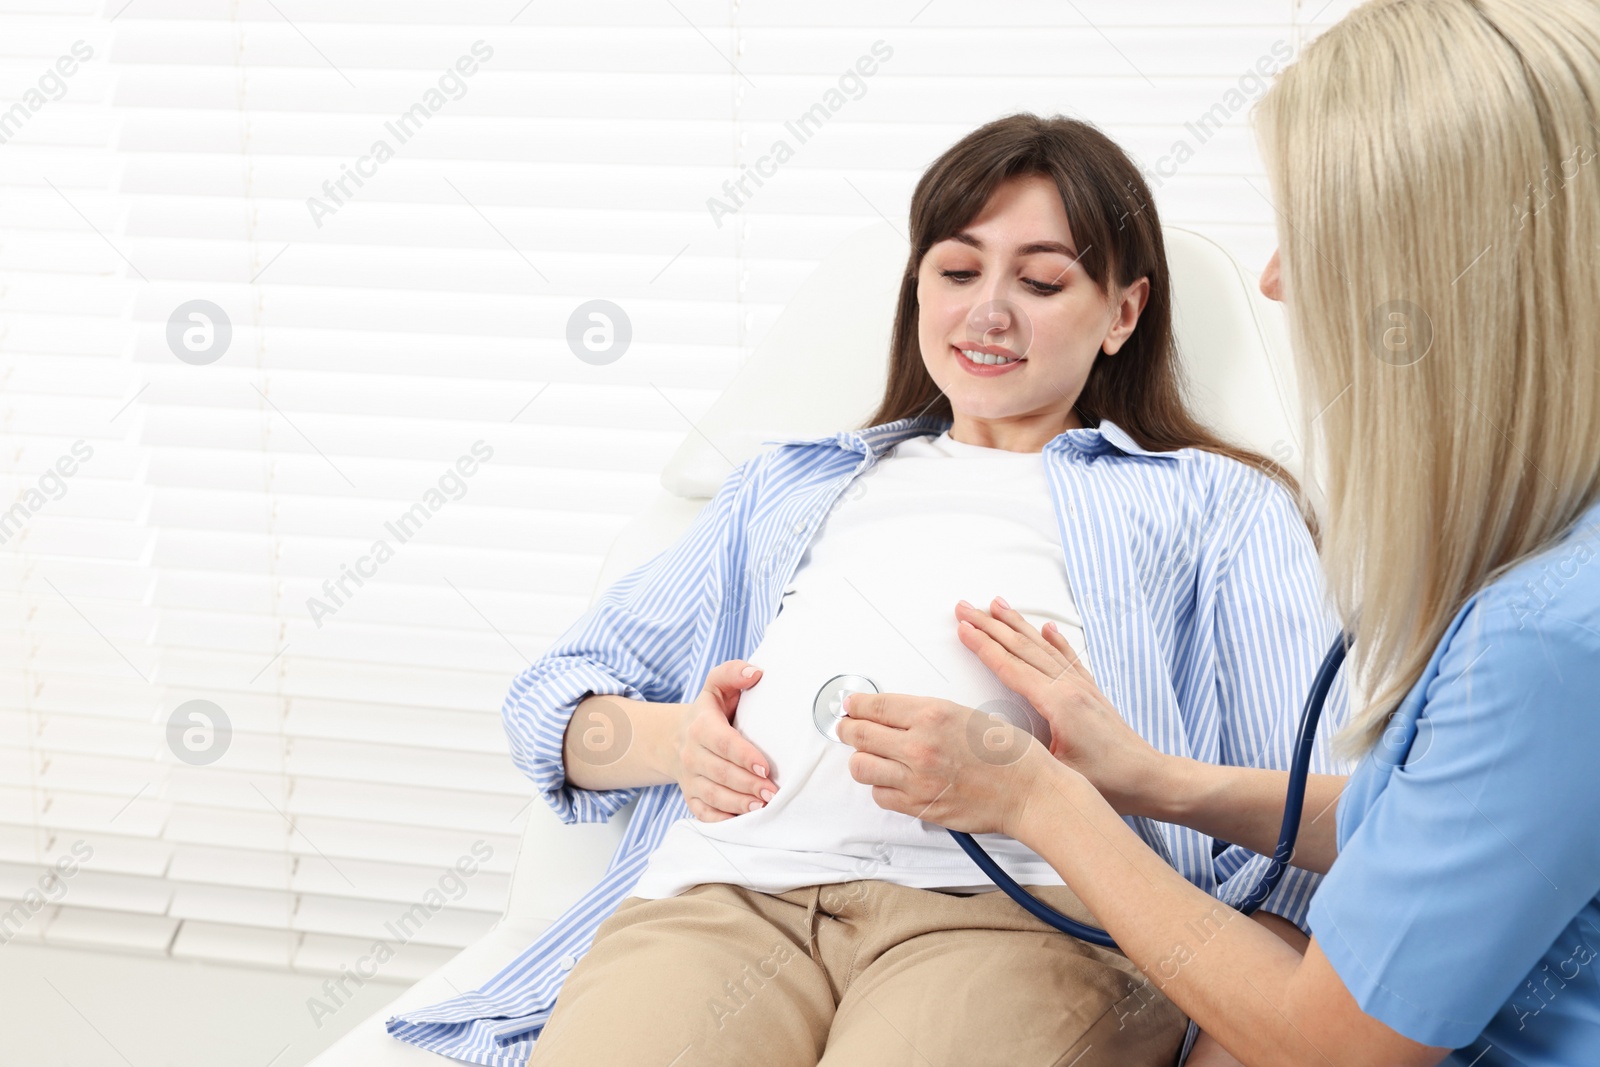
{"points": [[932, 522]]}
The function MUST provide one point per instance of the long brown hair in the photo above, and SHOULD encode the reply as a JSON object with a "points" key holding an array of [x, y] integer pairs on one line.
{"points": [[1114, 221]]}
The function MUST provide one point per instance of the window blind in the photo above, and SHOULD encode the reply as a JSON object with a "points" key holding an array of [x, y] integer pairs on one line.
{"points": [[298, 294]]}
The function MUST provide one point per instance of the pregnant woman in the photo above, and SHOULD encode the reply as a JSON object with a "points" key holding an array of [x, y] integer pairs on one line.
{"points": [[1032, 439]]}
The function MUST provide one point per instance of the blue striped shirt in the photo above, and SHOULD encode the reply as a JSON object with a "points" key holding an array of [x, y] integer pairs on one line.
{"points": [[1204, 614]]}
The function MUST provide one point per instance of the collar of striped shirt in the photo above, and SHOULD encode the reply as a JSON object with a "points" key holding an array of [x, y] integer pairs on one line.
{"points": [[1200, 592], [876, 440]]}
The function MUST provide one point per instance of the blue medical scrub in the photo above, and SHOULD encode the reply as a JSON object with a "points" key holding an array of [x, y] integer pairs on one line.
{"points": [[1462, 910]]}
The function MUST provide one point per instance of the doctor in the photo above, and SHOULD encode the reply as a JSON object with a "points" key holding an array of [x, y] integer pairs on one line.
{"points": [[1434, 168]]}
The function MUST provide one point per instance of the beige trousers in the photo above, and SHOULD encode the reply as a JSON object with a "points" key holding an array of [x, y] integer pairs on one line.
{"points": [[854, 974]]}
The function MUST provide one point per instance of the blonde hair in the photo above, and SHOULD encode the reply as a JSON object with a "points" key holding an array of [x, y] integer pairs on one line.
{"points": [[1435, 166]]}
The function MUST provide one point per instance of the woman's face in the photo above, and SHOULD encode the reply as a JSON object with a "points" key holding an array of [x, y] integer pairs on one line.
{"points": [[1010, 284]]}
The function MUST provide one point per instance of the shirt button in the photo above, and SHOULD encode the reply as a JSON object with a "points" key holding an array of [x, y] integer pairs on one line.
{"points": [[566, 963]]}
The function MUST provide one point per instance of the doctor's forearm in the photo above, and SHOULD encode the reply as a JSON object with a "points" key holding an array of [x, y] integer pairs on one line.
{"points": [[1207, 1052], [1243, 806], [1229, 976], [613, 742]]}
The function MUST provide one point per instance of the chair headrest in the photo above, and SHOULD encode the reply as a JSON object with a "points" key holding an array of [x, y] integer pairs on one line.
{"points": [[824, 363]]}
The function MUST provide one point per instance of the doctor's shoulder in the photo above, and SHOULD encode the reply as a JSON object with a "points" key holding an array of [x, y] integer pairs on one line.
{"points": [[1523, 651], [1556, 587]]}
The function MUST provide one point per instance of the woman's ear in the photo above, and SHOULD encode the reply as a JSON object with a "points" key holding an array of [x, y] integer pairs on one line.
{"points": [[1130, 305]]}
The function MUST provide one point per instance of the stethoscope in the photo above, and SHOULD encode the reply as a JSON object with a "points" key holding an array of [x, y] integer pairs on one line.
{"points": [[828, 709]]}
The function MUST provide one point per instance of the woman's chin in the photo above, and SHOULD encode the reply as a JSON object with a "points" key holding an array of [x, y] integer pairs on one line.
{"points": [[979, 409]]}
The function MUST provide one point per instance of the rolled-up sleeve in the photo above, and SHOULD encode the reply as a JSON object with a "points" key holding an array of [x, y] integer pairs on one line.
{"points": [[1274, 625], [638, 640]]}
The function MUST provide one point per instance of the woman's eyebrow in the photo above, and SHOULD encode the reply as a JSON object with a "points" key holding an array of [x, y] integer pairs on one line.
{"points": [[1023, 250]]}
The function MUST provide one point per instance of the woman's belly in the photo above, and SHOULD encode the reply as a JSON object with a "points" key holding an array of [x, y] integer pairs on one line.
{"points": [[821, 819], [829, 626]]}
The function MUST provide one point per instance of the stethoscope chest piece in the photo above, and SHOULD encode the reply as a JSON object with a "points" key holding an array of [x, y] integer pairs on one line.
{"points": [[828, 707]]}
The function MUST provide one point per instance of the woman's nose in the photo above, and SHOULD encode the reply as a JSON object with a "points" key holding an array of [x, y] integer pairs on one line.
{"points": [[997, 320], [990, 318]]}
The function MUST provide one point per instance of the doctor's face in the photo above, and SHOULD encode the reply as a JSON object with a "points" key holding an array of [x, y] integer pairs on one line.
{"points": [[1010, 285]]}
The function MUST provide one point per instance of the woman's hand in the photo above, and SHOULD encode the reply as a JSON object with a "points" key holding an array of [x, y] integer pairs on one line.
{"points": [[939, 761], [1087, 733], [720, 772]]}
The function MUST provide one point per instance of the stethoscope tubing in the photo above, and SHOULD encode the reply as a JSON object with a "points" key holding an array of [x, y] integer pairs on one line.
{"points": [[1289, 833]]}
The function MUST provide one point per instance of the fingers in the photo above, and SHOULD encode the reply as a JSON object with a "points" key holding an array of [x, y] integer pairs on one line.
{"points": [[1008, 628], [721, 798], [893, 786], [891, 709], [736, 778], [728, 681], [708, 784], [992, 641], [1032, 638], [875, 770], [735, 675], [1058, 641], [1008, 634], [721, 766], [740, 674], [869, 736], [738, 753], [705, 812]]}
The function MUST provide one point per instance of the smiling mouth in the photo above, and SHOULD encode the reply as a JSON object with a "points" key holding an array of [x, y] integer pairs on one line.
{"points": [[986, 355]]}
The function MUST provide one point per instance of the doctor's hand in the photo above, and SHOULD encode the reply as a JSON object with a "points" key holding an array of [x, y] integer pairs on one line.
{"points": [[720, 772], [1087, 733], [936, 760]]}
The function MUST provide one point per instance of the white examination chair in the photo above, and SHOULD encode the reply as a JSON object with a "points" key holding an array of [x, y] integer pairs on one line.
{"points": [[820, 370]]}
